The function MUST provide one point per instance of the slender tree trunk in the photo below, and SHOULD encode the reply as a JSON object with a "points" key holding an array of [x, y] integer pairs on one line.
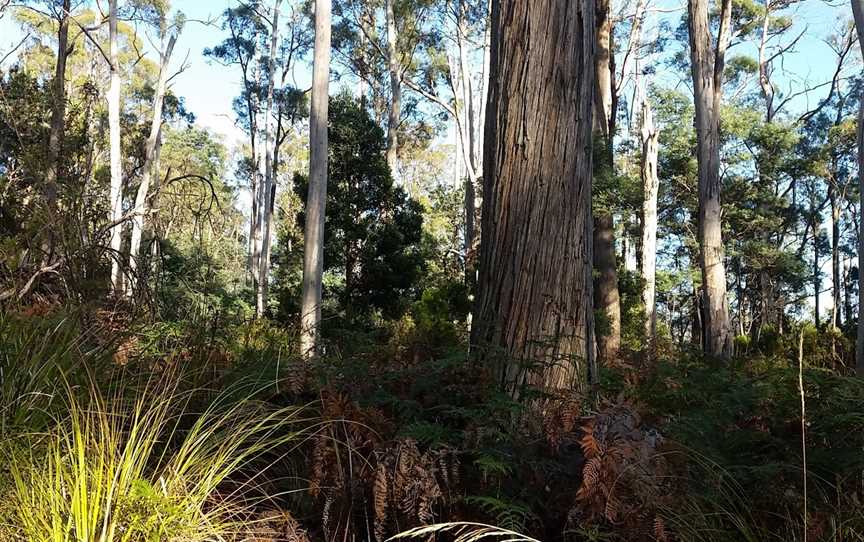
{"points": [[258, 167], [58, 108], [269, 172], [836, 283], [141, 206], [847, 298], [313, 257], [707, 67], [154, 204], [393, 66], [465, 119], [116, 191], [534, 291], [650, 136], [607, 299], [817, 282]]}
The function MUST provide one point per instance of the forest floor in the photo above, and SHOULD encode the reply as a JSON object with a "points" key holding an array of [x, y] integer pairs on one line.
{"points": [[203, 430]]}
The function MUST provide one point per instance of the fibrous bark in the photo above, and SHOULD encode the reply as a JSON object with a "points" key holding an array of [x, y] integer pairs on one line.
{"points": [[535, 287]]}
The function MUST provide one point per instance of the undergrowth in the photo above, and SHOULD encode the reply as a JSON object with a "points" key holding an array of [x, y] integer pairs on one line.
{"points": [[193, 432]]}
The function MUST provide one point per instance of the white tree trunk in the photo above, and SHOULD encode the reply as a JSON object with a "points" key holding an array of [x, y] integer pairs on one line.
{"points": [[858, 11], [650, 137], [141, 205], [466, 117], [116, 191], [269, 173], [313, 257], [393, 67]]}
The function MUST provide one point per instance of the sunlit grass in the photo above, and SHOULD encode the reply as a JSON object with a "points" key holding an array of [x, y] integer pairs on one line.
{"points": [[147, 470]]}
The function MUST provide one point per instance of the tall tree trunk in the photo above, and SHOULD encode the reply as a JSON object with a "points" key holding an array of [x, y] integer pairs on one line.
{"points": [[116, 191], [707, 67], [650, 137], [817, 282], [393, 66], [313, 257], [269, 171], [58, 108], [141, 206], [465, 119], [836, 282], [847, 297], [607, 299], [858, 11], [766, 285], [258, 167], [534, 291]]}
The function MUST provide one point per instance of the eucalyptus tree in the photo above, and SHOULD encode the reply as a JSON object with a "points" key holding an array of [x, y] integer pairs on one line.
{"points": [[707, 64], [858, 12], [313, 256], [168, 34], [115, 197], [535, 285]]}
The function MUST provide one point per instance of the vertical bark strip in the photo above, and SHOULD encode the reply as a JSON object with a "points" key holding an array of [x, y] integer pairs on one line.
{"points": [[607, 299], [707, 69], [313, 257], [858, 12], [395, 113], [650, 137], [116, 191], [58, 107], [535, 287]]}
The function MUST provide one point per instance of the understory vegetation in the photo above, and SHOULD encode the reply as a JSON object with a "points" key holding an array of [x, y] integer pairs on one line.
{"points": [[214, 428]]}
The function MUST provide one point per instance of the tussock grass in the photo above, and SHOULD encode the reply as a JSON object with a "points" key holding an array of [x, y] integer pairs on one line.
{"points": [[113, 470]]}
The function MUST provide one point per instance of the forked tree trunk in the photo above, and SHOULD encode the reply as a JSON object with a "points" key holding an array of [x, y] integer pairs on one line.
{"points": [[269, 172], [650, 137], [534, 291], [313, 257], [858, 11], [707, 67], [116, 192], [141, 205], [607, 299], [393, 66]]}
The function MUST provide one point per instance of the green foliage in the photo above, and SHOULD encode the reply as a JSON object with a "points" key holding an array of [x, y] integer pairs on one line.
{"points": [[37, 355], [373, 230], [740, 427]]}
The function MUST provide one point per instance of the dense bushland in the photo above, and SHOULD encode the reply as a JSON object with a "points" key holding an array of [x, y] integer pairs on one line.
{"points": [[184, 431]]}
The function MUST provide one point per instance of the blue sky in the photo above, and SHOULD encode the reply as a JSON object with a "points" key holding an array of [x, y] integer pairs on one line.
{"points": [[209, 88]]}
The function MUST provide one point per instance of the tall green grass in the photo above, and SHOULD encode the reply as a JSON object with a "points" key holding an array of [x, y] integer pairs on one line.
{"points": [[152, 470], [149, 461], [36, 355]]}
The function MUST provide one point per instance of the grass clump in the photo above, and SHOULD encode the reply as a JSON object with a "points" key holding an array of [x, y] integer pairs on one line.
{"points": [[150, 469]]}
